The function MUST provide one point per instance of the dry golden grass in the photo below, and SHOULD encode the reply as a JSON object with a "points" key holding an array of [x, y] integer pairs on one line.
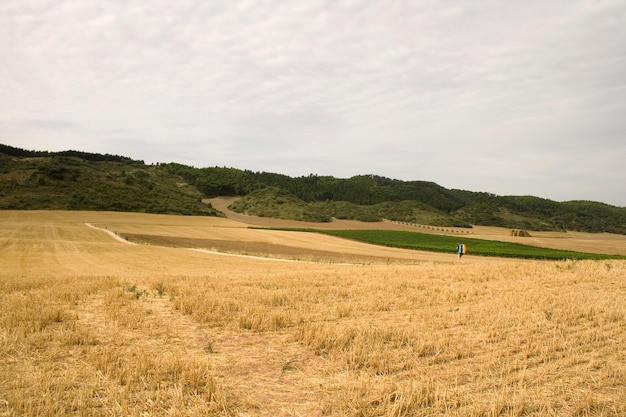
{"points": [[92, 326]]}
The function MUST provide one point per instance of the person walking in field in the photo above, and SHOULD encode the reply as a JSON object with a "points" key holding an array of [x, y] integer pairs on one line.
{"points": [[460, 251]]}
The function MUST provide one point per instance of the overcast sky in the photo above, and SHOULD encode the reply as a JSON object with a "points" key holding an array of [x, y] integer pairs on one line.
{"points": [[512, 97]]}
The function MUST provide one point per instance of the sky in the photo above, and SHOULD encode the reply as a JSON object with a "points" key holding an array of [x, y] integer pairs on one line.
{"points": [[520, 97]]}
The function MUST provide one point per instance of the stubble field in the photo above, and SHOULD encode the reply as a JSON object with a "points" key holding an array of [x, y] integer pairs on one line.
{"points": [[181, 324]]}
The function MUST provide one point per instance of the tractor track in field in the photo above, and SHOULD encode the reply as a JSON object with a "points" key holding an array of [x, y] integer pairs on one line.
{"points": [[281, 376]]}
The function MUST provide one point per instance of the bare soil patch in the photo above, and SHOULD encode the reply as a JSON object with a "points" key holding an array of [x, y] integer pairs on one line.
{"points": [[262, 249]]}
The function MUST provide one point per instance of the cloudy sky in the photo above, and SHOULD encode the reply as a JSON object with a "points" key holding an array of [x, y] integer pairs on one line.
{"points": [[512, 97]]}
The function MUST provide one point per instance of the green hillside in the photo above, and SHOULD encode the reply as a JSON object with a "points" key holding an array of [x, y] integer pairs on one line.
{"points": [[79, 181], [84, 181]]}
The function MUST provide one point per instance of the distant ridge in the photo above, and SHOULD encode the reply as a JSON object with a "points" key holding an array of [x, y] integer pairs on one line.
{"points": [[75, 180]]}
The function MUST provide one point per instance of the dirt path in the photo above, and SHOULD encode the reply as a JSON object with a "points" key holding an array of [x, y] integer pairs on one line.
{"points": [[362, 253], [264, 375], [263, 372], [214, 252], [110, 233]]}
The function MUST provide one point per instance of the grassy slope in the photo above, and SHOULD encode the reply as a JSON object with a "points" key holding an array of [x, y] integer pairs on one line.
{"points": [[529, 213], [70, 183]]}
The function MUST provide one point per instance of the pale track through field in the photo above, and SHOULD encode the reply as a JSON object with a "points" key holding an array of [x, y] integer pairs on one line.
{"points": [[110, 233], [268, 362], [212, 252]]}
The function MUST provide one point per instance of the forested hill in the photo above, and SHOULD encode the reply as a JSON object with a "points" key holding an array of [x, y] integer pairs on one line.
{"points": [[73, 180], [85, 181], [373, 198]]}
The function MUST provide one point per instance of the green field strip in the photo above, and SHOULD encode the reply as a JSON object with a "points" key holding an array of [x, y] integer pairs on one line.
{"points": [[439, 243]]}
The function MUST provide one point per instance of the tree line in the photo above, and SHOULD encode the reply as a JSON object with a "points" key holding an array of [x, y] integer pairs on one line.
{"points": [[87, 156]]}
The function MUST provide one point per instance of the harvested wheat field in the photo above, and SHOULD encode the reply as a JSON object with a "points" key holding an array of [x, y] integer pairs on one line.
{"points": [[124, 314]]}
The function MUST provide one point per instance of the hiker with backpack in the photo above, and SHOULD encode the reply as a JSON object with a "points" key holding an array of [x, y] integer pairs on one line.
{"points": [[460, 251]]}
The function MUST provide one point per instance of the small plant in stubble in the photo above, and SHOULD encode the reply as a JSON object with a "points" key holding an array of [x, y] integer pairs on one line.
{"points": [[159, 288], [137, 293], [288, 366]]}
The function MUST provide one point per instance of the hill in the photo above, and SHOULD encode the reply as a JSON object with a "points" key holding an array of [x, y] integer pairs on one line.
{"points": [[84, 181], [80, 181]]}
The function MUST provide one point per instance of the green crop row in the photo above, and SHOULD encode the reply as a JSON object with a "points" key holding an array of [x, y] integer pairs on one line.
{"points": [[439, 243]]}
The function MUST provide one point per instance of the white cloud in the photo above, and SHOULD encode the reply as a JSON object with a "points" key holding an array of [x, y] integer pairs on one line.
{"points": [[512, 95]]}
